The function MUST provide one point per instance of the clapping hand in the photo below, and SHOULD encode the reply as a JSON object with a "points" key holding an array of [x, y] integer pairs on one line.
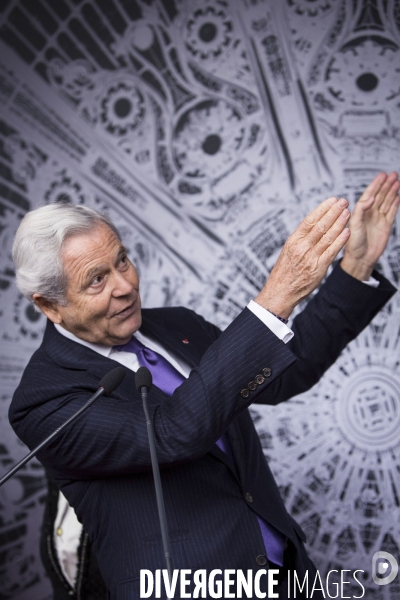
{"points": [[370, 225], [306, 256]]}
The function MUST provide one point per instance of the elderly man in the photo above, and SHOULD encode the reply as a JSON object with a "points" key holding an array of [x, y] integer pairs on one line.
{"points": [[223, 508]]}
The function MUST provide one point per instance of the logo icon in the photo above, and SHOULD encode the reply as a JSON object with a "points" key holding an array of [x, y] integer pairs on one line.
{"points": [[384, 568]]}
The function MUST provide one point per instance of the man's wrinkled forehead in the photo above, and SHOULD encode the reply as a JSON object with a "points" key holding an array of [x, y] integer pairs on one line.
{"points": [[89, 253]]}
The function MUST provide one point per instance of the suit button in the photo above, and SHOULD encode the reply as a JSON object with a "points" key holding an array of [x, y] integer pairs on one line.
{"points": [[261, 560], [252, 386], [245, 393], [259, 379], [249, 497], [267, 372]]}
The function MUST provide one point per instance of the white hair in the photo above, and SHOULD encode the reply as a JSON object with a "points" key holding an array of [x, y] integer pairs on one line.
{"points": [[38, 245]]}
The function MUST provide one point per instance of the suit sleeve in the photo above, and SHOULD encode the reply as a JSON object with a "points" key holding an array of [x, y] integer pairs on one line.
{"points": [[111, 437], [340, 310]]}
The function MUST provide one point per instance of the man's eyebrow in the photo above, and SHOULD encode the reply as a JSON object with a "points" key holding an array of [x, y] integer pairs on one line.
{"points": [[94, 271], [122, 250], [99, 268]]}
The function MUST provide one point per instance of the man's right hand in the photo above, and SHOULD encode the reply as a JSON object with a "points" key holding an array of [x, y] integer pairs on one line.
{"points": [[306, 256]]}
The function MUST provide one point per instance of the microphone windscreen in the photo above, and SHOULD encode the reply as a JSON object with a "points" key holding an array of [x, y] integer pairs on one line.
{"points": [[112, 379], [143, 378]]}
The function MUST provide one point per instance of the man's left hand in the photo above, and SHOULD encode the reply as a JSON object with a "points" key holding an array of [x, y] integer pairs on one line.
{"points": [[370, 225]]}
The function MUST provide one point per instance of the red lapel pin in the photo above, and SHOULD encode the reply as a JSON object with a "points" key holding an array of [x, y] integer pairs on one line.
{"points": [[185, 341]]}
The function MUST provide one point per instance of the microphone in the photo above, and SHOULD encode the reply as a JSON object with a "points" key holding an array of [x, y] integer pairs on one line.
{"points": [[143, 378], [143, 382], [107, 385], [112, 380]]}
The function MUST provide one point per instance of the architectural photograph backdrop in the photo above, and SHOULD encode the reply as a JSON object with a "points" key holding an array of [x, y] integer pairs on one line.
{"points": [[207, 130]]}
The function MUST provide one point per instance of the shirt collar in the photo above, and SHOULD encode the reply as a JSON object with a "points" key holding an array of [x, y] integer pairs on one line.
{"points": [[99, 348]]}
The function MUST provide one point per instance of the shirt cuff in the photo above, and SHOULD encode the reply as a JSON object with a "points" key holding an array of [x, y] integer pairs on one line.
{"points": [[372, 282], [282, 331]]}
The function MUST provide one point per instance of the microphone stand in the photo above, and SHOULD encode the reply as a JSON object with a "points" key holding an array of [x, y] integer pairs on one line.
{"points": [[143, 382], [107, 385]]}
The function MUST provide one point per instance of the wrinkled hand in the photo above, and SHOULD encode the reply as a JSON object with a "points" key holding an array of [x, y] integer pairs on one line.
{"points": [[371, 224], [305, 257]]}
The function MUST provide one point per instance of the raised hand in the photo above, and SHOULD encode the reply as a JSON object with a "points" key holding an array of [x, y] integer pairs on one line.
{"points": [[306, 256], [371, 224]]}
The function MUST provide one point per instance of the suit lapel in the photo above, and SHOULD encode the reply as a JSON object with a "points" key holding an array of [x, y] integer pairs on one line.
{"points": [[236, 441], [178, 340], [235, 464]]}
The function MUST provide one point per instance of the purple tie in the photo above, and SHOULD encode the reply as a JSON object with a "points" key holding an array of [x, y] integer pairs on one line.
{"points": [[167, 379], [165, 376]]}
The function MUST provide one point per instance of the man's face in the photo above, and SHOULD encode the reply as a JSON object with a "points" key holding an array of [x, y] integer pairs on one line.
{"points": [[103, 301]]}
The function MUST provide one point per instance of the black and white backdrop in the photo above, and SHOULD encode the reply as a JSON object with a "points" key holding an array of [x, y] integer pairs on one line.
{"points": [[207, 129]]}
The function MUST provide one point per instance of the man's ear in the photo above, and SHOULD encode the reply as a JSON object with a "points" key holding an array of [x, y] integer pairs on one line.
{"points": [[50, 309]]}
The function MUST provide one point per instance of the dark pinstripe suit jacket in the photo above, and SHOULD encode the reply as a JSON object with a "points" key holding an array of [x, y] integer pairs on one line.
{"points": [[102, 462]]}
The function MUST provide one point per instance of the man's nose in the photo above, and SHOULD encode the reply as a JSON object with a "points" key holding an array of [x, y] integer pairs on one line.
{"points": [[121, 285]]}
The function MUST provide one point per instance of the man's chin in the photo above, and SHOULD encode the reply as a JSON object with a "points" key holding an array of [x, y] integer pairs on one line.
{"points": [[127, 329]]}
